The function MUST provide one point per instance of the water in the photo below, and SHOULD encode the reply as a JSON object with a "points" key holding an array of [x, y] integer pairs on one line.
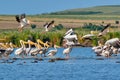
{"points": [[83, 65]]}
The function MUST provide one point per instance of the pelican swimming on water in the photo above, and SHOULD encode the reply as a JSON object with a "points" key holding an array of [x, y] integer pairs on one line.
{"points": [[44, 49], [9, 50]]}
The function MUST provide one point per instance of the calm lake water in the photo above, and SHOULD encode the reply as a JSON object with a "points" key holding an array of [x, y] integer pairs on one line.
{"points": [[83, 65]]}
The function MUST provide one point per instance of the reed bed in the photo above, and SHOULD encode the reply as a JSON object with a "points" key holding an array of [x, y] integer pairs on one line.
{"points": [[53, 36]]}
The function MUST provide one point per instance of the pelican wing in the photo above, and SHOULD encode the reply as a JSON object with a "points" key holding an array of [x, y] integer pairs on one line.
{"points": [[49, 24], [105, 27], [17, 18]]}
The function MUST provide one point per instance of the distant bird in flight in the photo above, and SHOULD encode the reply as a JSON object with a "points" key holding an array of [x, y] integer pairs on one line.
{"points": [[104, 30], [22, 20], [47, 25]]}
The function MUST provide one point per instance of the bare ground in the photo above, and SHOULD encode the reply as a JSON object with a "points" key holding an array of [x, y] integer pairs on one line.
{"points": [[10, 22]]}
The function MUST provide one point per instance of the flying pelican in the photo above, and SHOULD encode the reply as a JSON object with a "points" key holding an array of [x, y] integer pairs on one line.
{"points": [[22, 21], [51, 53], [67, 51], [104, 30], [71, 37], [47, 25]]}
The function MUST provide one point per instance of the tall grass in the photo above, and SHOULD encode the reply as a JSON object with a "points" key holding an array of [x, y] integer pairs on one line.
{"points": [[53, 36]]}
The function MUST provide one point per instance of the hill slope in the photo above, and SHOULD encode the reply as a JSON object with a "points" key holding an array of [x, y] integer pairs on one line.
{"points": [[105, 10]]}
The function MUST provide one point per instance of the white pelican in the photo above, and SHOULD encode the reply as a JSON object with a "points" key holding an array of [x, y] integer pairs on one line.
{"points": [[47, 25], [21, 50], [35, 51], [44, 49], [51, 53], [113, 42], [88, 36], [104, 30], [107, 51], [71, 37], [9, 50], [42, 43], [29, 49], [39, 49], [22, 20], [98, 49], [67, 51], [114, 50]]}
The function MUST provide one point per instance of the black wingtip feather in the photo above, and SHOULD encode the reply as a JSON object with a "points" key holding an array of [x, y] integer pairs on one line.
{"points": [[105, 27], [17, 18]]}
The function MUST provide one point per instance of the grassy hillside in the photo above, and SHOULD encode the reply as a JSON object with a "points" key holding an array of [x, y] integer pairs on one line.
{"points": [[103, 10]]}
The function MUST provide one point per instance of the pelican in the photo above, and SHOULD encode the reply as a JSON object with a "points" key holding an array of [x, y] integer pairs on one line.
{"points": [[104, 30], [29, 49], [44, 49], [114, 50], [113, 42], [21, 50], [67, 51], [107, 51], [42, 43], [22, 21], [3, 46], [71, 37], [39, 49], [51, 53], [35, 51], [88, 36], [9, 50], [47, 25], [98, 49]]}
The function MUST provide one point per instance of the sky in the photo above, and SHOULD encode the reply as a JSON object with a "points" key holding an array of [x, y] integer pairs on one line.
{"points": [[48, 6]]}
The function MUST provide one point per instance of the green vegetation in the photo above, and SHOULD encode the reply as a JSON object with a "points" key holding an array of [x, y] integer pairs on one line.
{"points": [[54, 35], [102, 10], [81, 17]]}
